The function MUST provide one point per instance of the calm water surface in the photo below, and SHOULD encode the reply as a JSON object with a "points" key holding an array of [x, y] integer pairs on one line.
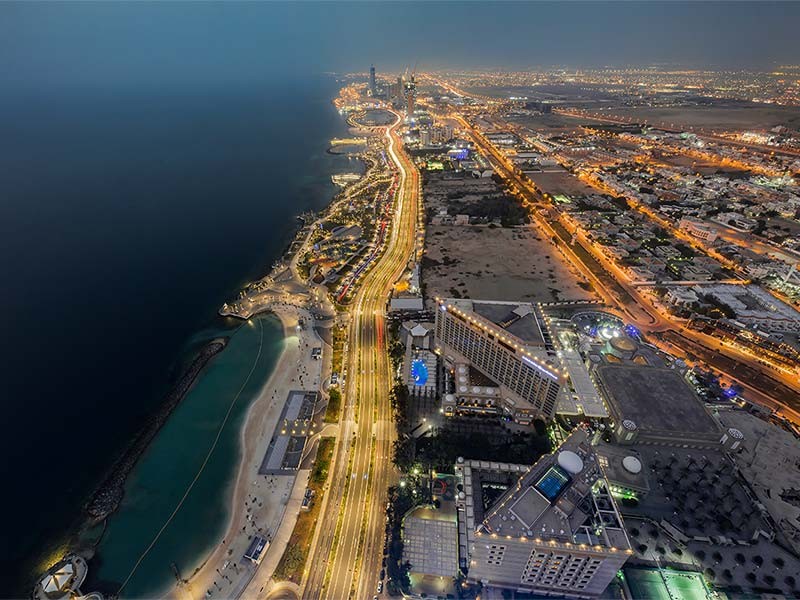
{"points": [[127, 216]]}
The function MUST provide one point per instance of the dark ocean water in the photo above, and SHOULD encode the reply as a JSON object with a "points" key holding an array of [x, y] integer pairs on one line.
{"points": [[127, 216]]}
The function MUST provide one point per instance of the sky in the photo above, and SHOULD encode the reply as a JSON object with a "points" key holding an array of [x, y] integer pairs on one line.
{"points": [[76, 43]]}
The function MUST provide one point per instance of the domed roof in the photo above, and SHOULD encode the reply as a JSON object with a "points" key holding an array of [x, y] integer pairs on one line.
{"points": [[623, 343], [632, 464], [570, 462]]}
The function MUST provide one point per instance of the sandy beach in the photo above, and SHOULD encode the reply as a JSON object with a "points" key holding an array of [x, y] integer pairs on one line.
{"points": [[258, 502]]}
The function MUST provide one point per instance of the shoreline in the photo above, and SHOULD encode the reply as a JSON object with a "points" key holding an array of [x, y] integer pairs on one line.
{"points": [[255, 435], [105, 499], [235, 485], [263, 409]]}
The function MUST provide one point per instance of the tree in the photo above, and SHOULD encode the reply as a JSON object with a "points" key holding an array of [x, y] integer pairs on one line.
{"points": [[404, 453], [701, 555], [758, 560], [710, 573], [751, 577], [778, 562], [740, 558]]}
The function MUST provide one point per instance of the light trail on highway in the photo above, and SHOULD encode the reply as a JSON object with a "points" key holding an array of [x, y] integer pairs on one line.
{"points": [[347, 550]]}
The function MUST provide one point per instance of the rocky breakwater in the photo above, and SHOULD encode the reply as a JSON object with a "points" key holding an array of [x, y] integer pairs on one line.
{"points": [[109, 493]]}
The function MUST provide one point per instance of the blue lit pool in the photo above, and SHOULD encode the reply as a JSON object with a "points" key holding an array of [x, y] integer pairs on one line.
{"points": [[419, 372]]}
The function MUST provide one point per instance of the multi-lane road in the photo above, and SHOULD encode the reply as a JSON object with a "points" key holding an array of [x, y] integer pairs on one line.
{"points": [[345, 559]]}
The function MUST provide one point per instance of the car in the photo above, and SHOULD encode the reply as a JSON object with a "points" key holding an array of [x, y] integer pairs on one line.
{"points": [[380, 587]]}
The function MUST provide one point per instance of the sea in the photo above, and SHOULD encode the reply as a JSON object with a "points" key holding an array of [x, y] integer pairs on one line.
{"points": [[128, 215]]}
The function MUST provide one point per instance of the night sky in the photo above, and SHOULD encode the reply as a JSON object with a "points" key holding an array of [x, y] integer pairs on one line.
{"points": [[77, 43]]}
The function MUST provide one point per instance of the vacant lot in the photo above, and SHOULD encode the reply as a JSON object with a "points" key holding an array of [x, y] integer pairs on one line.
{"points": [[551, 124], [715, 117], [497, 263], [561, 183]]}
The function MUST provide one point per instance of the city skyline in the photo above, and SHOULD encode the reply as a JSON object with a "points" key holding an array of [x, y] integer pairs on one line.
{"points": [[164, 42], [347, 300]]}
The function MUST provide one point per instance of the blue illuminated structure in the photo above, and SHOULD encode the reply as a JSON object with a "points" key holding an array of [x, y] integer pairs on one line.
{"points": [[419, 372], [552, 482]]}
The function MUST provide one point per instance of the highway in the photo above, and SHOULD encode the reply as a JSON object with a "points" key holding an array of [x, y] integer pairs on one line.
{"points": [[345, 559]]}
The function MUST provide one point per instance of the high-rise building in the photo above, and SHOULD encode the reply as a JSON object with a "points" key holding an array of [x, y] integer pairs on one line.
{"points": [[425, 137], [556, 531], [373, 88], [501, 357], [410, 90]]}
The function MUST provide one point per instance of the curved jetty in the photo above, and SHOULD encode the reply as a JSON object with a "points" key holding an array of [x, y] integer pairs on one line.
{"points": [[109, 493]]}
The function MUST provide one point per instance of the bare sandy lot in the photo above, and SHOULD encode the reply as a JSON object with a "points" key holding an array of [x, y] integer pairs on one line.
{"points": [[497, 263], [561, 183], [715, 117], [552, 123]]}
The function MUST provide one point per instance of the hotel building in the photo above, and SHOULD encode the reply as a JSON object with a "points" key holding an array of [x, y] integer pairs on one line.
{"points": [[555, 531], [501, 359]]}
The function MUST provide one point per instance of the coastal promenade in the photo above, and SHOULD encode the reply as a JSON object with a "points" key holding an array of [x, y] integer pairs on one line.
{"points": [[347, 547]]}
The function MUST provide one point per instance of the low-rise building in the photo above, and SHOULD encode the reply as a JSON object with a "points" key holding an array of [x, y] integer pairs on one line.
{"points": [[755, 306], [698, 229], [681, 296]]}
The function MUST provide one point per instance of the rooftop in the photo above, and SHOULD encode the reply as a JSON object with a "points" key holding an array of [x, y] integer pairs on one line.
{"points": [[517, 318], [563, 497], [430, 542], [655, 399], [623, 466]]}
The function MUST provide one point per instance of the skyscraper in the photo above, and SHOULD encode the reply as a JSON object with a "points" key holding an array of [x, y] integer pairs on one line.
{"points": [[410, 88], [372, 85]]}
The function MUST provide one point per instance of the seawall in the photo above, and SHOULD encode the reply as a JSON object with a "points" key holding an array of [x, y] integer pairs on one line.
{"points": [[109, 493]]}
